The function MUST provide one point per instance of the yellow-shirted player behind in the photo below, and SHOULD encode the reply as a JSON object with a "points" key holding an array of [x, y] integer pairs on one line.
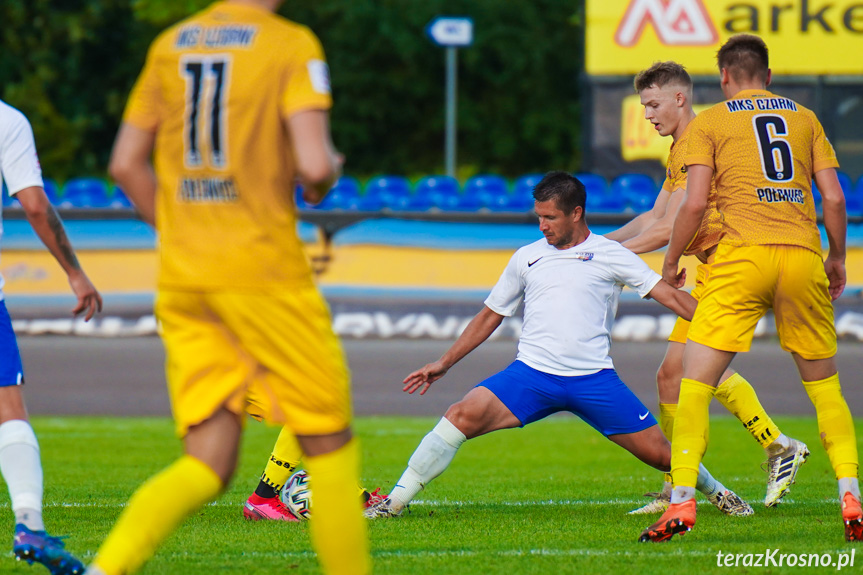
{"points": [[233, 104], [666, 94], [762, 150]]}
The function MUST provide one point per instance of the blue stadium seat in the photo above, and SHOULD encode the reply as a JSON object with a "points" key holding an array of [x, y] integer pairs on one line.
{"points": [[370, 203], [521, 199], [437, 185], [85, 193], [854, 198], [347, 186], [593, 184], [638, 191], [599, 198], [119, 200], [344, 195], [332, 201], [487, 191], [413, 203], [393, 191], [9, 202], [440, 191], [52, 191]]}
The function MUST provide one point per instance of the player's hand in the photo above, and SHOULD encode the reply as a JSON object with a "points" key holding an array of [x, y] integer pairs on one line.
{"points": [[424, 377], [89, 300], [670, 274], [835, 270]]}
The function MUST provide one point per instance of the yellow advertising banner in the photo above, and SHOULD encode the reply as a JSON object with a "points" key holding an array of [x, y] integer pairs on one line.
{"points": [[805, 37], [639, 140]]}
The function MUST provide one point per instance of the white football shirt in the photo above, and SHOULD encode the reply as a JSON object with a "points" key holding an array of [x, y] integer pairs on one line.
{"points": [[19, 164], [570, 300]]}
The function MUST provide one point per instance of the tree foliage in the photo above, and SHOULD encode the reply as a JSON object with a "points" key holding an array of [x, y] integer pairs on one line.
{"points": [[69, 64]]}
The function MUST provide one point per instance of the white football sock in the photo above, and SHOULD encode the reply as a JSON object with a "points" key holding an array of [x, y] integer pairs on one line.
{"points": [[431, 458], [779, 445], [847, 484], [666, 489], [705, 483], [22, 470]]}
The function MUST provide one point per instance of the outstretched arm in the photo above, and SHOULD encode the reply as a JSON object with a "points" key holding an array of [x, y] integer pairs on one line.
{"points": [[632, 228], [836, 224], [658, 231], [687, 221], [642, 222], [477, 331], [49, 227], [677, 301]]}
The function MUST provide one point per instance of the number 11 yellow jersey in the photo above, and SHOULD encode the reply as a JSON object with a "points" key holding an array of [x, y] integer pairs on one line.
{"points": [[216, 89], [764, 150]]}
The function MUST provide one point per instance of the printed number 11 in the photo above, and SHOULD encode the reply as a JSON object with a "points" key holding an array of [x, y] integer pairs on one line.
{"points": [[193, 70]]}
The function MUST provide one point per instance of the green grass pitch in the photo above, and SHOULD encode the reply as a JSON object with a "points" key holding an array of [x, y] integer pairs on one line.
{"points": [[551, 498]]}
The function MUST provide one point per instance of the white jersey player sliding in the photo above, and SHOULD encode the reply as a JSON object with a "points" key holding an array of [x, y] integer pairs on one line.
{"points": [[570, 283]]}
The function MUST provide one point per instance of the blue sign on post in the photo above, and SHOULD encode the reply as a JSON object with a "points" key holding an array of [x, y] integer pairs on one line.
{"points": [[449, 31]]}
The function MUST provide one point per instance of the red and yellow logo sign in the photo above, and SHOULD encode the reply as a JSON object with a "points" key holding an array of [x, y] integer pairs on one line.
{"points": [[625, 36]]}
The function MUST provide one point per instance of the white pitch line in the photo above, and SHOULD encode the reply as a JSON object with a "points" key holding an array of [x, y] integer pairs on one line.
{"points": [[450, 503]]}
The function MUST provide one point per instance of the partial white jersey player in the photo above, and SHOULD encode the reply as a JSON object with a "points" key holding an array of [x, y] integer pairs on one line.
{"points": [[19, 450]]}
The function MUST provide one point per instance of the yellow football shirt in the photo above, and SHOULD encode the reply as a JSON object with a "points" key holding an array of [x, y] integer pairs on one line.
{"points": [[216, 89], [764, 150], [675, 179]]}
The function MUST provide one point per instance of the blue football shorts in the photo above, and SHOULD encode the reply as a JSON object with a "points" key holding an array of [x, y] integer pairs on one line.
{"points": [[600, 399], [11, 372]]}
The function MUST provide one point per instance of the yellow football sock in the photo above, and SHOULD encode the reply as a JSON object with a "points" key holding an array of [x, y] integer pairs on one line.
{"points": [[691, 431], [154, 511], [284, 460], [667, 412], [738, 397], [834, 424], [338, 528]]}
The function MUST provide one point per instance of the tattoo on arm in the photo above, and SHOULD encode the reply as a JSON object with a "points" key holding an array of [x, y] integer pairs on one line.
{"points": [[56, 225]]}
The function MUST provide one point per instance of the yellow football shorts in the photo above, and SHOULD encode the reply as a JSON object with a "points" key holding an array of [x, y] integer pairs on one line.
{"points": [[746, 281], [273, 355], [681, 326]]}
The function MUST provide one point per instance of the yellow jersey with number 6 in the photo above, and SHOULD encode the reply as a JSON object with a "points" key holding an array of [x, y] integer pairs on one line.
{"points": [[764, 150], [216, 89]]}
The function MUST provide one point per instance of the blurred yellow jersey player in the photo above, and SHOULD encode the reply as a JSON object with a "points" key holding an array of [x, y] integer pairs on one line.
{"points": [[762, 151], [230, 109]]}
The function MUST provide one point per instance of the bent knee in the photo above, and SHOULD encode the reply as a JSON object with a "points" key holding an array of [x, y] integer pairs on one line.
{"points": [[463, 416]]}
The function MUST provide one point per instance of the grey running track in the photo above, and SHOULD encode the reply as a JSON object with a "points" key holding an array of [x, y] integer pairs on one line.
{"points": [[124, 376]]}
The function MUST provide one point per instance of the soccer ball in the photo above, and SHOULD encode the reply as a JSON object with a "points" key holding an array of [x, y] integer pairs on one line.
{"points": [[297, 495]]}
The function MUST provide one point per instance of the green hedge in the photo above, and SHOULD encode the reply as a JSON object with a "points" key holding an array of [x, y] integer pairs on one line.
{"points": [[68, 64]]}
